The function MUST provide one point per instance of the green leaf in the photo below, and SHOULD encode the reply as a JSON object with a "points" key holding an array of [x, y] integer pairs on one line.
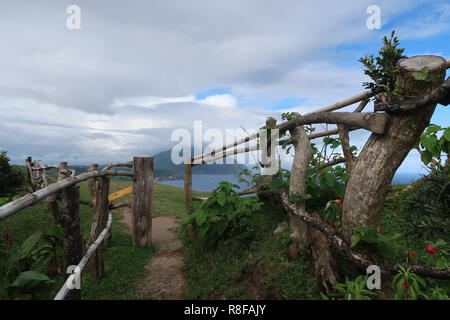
{"points": [[428, 143], [426, 156], [330, 180], [26, 276], [201, 218], [221, 198], [221, 227], [355, 239], [422, 75], [446, 134], [370, 236], [30, 243]]}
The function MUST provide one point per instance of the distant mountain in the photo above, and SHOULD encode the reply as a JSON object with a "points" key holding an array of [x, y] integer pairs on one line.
{"points": [[163, 161]]}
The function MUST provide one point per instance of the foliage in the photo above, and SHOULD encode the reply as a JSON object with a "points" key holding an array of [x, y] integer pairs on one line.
{"points": [[332, 214], [407, 285], [24, 264], [428, 206], [432, 253], [242, 269], [325, 183], [223, 214], [352, 289], [388, 247], [11, 178], [381, 69], [432, 146], [436, 293]]}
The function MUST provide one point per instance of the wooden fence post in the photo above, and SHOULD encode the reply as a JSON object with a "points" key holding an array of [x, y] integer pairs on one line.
{"points": [[188, 186], [141, 203], [99, 220], [70, 224], [28, 165], [91, 185]]}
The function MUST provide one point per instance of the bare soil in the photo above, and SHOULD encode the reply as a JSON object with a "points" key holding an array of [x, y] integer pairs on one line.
{"points": [[163, 279]]}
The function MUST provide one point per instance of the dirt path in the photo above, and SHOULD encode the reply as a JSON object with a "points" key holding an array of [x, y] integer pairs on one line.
{"points": [[164, 279]]}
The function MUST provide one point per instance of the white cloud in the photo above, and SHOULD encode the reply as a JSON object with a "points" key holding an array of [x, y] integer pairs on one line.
{"points": [[121, 84], [220, 100]]}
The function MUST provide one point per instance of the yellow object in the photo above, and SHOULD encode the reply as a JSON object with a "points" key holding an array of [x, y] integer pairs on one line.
{"points": [[120, 193]]}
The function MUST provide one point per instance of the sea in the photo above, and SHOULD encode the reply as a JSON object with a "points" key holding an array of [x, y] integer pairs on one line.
{"points": [[208, 182]]}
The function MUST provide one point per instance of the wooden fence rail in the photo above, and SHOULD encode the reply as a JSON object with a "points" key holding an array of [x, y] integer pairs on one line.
{"points": [[32, 198], [68, 217], [71, 280]]}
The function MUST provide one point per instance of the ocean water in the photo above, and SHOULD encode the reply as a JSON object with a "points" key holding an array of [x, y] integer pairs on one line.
{"points": [[208, 182]]}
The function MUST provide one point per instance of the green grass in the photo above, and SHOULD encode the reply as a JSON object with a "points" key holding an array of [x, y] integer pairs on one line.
{"points": [[248, 269], [167, 200], [124, 264]]}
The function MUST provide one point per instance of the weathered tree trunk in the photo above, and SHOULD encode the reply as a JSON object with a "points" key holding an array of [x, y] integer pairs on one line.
{"points": [[267, 161], [99, 220], [91, 185], [141, 220], [383, 154], [70, 224], [324, 262], [297, 185], [51, 201], [349, 158], [28, 164]]}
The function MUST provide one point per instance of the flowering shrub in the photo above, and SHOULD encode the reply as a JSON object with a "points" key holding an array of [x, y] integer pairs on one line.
{"points": [[408, 285], [333, 214]]}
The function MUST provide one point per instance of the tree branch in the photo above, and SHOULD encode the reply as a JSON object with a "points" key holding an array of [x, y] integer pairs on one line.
{"points": [[344, 250], [440, 95]]}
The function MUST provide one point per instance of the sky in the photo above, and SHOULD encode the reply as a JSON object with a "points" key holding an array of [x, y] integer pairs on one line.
{"points": [[135, 71]]}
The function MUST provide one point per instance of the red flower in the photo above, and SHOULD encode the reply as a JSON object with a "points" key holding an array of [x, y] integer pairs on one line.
{"points": [[329, 222], [404, 285], [339, 202], [381, 231], [430, 249], [413, 254]]}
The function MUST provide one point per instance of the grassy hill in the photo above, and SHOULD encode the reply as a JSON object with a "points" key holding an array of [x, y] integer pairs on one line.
{"points": [[124, 264]]}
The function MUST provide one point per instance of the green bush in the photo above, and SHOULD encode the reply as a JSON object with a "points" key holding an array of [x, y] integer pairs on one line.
{"points": [[23, 266], [223, 214], [11, 178], [428, 206]]}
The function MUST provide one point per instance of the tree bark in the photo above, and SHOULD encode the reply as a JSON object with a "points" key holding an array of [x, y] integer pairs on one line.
{"points": [[70, 224], [141, 220], [344, 249], [92, 185], [375, 122], [324, 262], [383, 154], [349, 158], [99, 220], [297, 183]]}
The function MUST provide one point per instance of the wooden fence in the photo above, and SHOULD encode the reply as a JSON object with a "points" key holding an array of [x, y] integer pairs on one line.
{"points": [[346, 122], [66, 213], [394, 133]]}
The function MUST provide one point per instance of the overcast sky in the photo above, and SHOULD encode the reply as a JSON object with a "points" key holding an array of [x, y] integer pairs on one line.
{"points": [[137, 70]]}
